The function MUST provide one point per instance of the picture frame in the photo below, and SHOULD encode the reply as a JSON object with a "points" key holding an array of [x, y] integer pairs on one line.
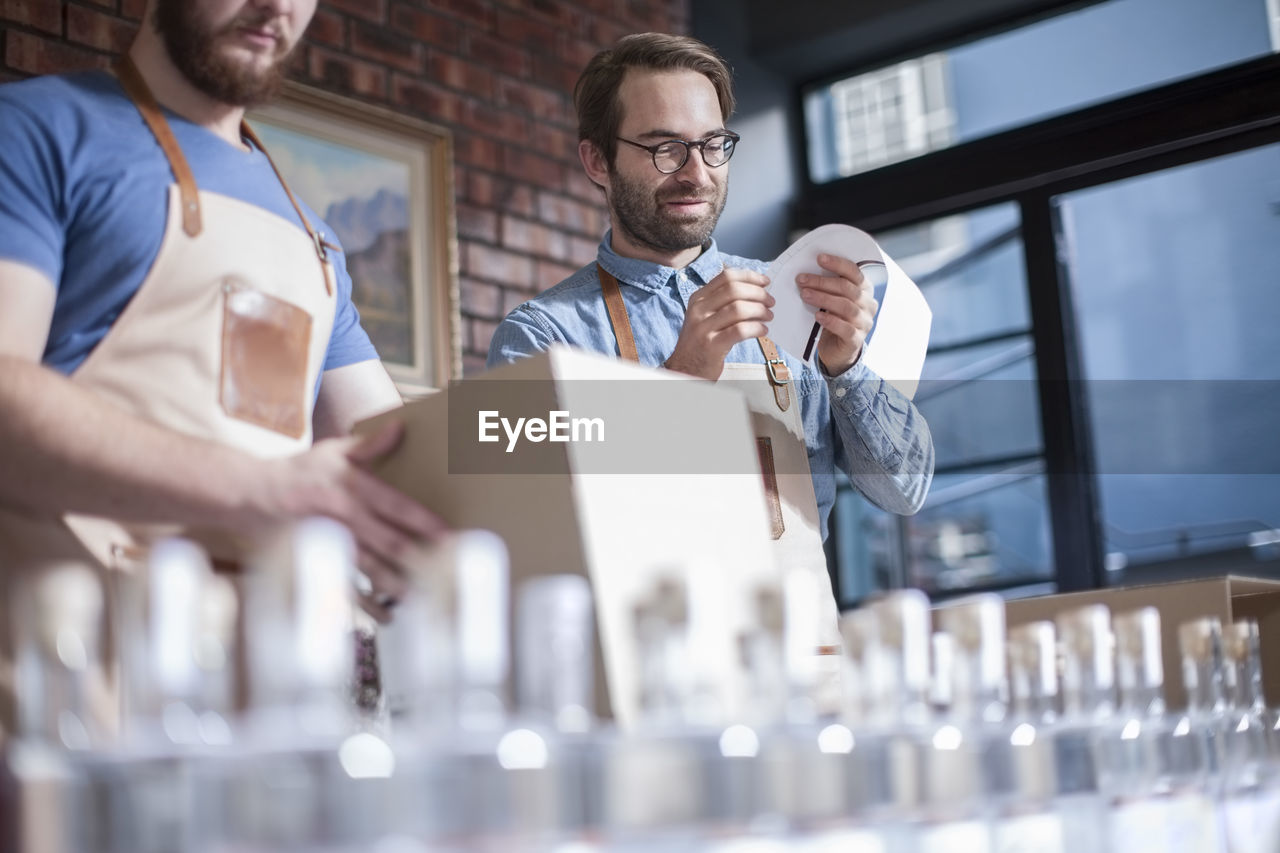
{"points": [[383, 182]]}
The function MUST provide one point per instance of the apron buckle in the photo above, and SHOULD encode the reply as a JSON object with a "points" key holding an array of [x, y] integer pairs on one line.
{"points": [[773, 371], [318, 240]]}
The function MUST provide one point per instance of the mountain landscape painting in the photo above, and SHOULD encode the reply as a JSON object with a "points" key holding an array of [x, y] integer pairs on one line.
{"points": [[363, 197]]}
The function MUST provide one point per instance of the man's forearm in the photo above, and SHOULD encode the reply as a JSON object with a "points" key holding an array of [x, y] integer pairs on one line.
{"points": [[64, 450], [888, 448]]}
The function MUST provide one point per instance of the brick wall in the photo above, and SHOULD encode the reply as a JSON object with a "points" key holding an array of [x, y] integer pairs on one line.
{"points": [[498, 73]]}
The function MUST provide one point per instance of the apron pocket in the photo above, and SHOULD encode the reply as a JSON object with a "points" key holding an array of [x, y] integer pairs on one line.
{"points": [[265, 345], [764, 447]]}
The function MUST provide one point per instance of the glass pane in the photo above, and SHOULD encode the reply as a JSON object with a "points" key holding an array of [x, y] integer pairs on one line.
{"points": [[971, 271], [1047, 68], [977, 529], [981, 403], [866, 547], [981, 528], [1174, 280]]}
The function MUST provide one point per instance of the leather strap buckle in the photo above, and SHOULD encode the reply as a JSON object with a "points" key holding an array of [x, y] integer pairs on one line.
{"points": [[773, 371], [322, 251]]}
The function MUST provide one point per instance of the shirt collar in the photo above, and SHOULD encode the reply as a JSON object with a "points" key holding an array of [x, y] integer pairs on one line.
{"points": [[652, 277]]}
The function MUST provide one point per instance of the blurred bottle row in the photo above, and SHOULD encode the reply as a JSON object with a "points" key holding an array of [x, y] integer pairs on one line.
{"points": [[954, 735]]}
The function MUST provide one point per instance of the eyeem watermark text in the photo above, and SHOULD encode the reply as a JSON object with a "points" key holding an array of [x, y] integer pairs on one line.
{"points": [[558, 427]]}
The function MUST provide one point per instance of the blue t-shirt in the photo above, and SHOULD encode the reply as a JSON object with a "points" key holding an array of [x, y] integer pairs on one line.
{"points": [[83, 199]]}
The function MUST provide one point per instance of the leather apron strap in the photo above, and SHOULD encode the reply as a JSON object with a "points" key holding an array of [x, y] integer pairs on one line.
{"points": [[618, 317], [140, 93], [323, 246], [778, 372]]}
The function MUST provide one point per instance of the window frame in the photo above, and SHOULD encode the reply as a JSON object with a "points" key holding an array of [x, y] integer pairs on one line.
{"points": [[1198, 118], [924, 116]]}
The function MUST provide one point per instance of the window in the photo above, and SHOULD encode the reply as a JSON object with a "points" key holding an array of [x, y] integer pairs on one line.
{"points": [[862, 122], [985, 523], [1174, 282], [1102, 381], [887, 115]]}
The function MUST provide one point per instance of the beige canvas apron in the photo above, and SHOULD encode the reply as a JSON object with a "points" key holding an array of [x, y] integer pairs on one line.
{"points": [[784, 463], [224, 341]]}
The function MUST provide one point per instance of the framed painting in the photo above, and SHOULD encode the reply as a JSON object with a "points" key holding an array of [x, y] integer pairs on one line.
{"points": [[383, 182]]}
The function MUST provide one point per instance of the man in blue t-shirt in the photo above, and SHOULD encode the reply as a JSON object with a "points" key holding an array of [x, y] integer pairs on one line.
{"points": [[176, 329]]}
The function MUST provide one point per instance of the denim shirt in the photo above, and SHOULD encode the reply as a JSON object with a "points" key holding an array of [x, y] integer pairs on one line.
{"points": [[856, 420]]}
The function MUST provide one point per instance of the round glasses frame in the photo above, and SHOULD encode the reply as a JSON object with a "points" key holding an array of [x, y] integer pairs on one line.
{"points": [[675, 152]]}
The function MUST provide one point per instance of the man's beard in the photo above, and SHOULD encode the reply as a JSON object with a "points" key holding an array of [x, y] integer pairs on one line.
{"points": [[192, 46], [641, 214]]}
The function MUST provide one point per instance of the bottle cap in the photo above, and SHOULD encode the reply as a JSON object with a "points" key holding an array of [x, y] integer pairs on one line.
{"points": [[976, 624], [902, 635], [1240, 640], [1200, 640]]}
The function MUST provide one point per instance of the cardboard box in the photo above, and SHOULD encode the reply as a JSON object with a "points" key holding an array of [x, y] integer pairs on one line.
{"points": [[1228, 598], [674, 488]]}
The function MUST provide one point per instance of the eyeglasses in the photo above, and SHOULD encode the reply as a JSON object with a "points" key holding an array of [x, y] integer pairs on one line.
{"points": [[669, 157]]}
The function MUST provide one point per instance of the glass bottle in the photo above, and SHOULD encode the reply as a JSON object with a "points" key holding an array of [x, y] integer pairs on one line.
{"points": [[1248, 738], [547, 751], [648, 790], [1033, 674], [473, 774], [299, 775], [890, 639], [57, 619], [1011, 757], [1251, 776], [1088, 699], [142, 788], [824, 796], [1054, 820], [1157, 771], [960, 767], [801, 776], [987, 764]]}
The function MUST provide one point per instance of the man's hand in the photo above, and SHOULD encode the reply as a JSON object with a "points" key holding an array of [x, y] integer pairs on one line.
{"points": [[847, 309], [332, 479], [732, 307]]}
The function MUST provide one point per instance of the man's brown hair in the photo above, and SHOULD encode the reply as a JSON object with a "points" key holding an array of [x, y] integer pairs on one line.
{"points": [[596, 94]]}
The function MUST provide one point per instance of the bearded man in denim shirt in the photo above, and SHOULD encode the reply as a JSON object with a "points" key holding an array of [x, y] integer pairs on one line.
{"points": [[652, 113]]}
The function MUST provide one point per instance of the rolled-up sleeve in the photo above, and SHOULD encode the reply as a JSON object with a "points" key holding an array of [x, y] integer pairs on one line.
{"points": [[886, 448], [523, 333]]}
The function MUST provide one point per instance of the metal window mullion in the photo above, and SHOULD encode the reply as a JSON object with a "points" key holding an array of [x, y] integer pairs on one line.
{"points": [[872, 127], [1068, 448], [915, 134], [940, 117]]}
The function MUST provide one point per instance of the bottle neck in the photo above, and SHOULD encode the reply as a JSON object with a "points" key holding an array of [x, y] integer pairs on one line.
{"points": [[1251, 678], [662, 649], [977, 691], [899, 693], [896, 660], [1204, 682], [1140, 676], [764, 657], [56, 711], [1144, 700], [1243, 683], [1033, 672], [1029, 696], [1088, 686]]}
